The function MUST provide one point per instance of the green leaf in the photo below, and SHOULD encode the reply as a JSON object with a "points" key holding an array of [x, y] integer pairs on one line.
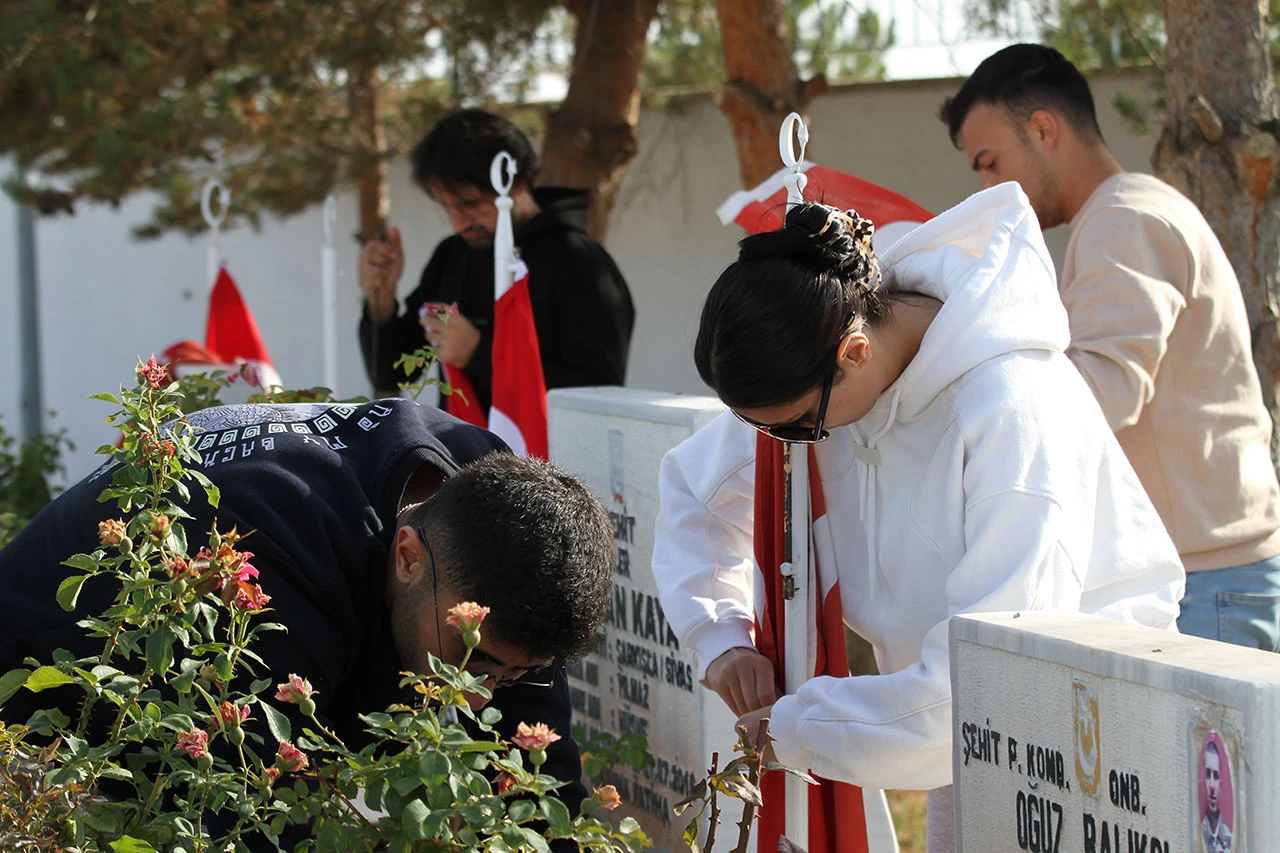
{"points": [[177, 538], [557, 814], [160, 650], [84, 562], [277, 722], [46, 677], [69, 591], [413, 819], [373, 794], [770, 766], [521, 810], [11, 682], [533, 841]]}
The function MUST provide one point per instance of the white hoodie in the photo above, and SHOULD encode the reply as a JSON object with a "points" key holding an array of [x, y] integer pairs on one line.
{"points": [[998, 486]]}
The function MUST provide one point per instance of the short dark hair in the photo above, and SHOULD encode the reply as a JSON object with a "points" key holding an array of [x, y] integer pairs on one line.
{"points": [[1024, 78], [529, 541], [460, 148], [773, 319]]}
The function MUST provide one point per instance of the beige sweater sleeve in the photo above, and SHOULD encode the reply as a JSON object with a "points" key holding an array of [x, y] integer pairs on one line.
{"points": [[1123, 288]]}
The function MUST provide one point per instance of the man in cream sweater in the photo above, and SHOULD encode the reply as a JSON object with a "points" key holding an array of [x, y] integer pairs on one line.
{"points": [[1158, 330]]}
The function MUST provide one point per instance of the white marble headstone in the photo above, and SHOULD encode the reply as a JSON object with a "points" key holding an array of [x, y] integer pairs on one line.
{"points": [[639, 679], [1077, 733]]}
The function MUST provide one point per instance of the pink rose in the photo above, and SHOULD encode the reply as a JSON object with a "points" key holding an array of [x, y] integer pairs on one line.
{"points": [[467, 616], [607, 796], [294, 690], [290, 758], [194, 743], [535, 737]]}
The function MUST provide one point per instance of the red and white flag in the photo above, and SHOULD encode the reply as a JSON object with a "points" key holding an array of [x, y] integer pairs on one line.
{"points": [[231, 334], [462, 402], [518, 412], [837, 814], [840, 819], [518, 396], [232, 343], [762, 208]]}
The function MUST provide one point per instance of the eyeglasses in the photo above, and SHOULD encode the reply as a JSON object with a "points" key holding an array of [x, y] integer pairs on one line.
{"points": [[541, 676], [798, 433], [465, 205]]}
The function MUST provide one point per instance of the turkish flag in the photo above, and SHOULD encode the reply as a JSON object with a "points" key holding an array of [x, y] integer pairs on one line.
{"points": [[462, 403], [231, 334], [518, 412], [838, 816], [762, 208], [518, 408]]}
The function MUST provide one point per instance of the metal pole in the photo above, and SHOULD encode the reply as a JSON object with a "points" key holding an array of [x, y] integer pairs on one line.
{"points": [[31, 399], [797, 571]]}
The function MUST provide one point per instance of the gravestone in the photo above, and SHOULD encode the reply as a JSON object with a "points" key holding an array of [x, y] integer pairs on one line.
{"points": [[1078, 733], [639, 679]]}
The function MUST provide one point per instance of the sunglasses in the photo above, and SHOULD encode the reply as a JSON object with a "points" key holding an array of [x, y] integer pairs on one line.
{"points": [[794, 433], [541, 676]]}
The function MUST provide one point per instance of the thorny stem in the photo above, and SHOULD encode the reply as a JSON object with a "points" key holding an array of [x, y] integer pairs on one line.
{"points": [[355, 811], [749, 810], [714, 820]]}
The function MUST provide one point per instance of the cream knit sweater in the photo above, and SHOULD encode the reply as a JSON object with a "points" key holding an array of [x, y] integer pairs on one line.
{"points": [[1159, 332]]}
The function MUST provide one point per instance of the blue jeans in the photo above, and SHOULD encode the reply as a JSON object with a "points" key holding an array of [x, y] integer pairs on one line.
{"points": [[1239, 605]]}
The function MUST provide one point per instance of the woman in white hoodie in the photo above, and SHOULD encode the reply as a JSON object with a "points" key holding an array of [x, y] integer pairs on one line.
{"points": [[968, 468]]}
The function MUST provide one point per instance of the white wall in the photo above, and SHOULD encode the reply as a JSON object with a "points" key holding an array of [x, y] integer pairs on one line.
{"points": [[107, 299]]}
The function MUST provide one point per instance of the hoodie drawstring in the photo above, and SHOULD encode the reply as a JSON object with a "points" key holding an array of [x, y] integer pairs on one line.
{"points": [[868, 457]]}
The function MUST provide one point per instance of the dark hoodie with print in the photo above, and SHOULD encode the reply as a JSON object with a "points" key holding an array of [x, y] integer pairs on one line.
{"points": [[581, 305], [317, 487]]}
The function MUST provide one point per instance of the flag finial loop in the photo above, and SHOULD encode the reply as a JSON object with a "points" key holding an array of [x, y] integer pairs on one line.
{"points": [[214, 220], [502, 183], [793, 130]]}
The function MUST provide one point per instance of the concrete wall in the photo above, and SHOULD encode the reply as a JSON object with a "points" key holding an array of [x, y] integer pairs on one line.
{"points": [[107, 299]]}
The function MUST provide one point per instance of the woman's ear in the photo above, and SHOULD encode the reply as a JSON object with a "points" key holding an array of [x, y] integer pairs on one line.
{"points": [[854, 351]]}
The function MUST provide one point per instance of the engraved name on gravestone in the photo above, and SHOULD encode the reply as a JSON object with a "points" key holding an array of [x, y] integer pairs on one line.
{"points": [[639, 679], [1077, 733]]}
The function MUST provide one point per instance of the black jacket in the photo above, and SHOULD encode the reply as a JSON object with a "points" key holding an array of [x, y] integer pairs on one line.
{"points": [[319, 485], [581, 305]]}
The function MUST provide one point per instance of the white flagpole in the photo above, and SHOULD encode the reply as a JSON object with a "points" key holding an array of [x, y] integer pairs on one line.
{"points": [[214, 221], [329, 296], [502, 174], [799, 605]]}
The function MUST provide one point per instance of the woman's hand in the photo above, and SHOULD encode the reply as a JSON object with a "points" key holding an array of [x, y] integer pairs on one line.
{"points": [[751, 722], [744, 679]]}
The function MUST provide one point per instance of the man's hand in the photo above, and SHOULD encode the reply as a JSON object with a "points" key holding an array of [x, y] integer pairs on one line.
{"points": [[380, 267], [454, 336], [744, 679], [751, 722]]}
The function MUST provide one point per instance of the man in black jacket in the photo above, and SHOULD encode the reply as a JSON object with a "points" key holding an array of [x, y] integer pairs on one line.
{"points": [[367, 522], [581, 305]]}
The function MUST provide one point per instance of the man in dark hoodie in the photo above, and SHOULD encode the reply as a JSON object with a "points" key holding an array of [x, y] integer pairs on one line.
{"points": [[581, 305], [366, 523]]}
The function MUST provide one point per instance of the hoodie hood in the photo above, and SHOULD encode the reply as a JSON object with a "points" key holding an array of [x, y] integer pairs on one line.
{"points": [[559, 209], [986, 260]]}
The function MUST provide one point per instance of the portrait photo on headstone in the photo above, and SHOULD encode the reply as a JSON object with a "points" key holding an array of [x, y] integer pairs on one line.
{"points": [[1217, 815]]}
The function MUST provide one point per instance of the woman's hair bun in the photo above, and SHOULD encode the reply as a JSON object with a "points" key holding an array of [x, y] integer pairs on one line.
{"points": [[823, 238]]}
